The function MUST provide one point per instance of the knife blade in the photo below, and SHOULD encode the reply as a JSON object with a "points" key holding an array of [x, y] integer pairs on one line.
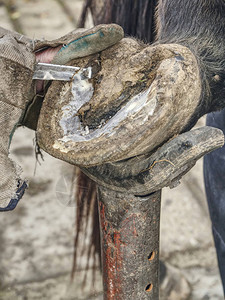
{"points": [[44, 71]]}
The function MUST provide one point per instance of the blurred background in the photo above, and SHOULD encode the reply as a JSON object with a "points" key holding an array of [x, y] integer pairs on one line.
{"points": [[37, 239]]}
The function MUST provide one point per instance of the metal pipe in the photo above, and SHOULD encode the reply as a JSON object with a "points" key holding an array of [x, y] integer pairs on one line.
{"points": [[130, 244]]}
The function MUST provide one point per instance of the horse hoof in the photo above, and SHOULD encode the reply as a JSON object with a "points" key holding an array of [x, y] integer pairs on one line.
{"points": [[138, 97]]}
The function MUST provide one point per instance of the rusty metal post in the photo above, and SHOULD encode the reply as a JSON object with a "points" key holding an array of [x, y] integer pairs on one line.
{"points": [[130, 244]]}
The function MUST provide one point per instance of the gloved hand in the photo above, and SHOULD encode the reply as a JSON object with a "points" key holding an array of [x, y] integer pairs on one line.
{"points": [[21, 97]]}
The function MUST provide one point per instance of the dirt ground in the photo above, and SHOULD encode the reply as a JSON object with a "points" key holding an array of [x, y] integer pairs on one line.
{"points": [[36, 240]]}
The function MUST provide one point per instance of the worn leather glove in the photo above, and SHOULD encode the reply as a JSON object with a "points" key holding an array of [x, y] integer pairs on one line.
{"points": [[19, 100], [17, 63]]}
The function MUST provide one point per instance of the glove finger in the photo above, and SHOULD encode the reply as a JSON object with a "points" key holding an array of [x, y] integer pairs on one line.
{"points": [[80, 43]]}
